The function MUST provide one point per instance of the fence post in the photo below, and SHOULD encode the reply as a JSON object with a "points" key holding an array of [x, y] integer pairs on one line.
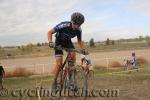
{"points": [[107, 63], [34, 69], [43, 68]]}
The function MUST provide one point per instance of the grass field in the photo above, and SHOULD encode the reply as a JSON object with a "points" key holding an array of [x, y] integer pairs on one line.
{"points": [[132, 85]]}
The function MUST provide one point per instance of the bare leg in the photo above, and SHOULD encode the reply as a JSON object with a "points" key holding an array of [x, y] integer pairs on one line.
{"points": [[1, 85], [58, 65]]}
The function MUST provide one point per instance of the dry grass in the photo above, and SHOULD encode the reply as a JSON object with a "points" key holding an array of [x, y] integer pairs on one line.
{"points": [[19, 72]]}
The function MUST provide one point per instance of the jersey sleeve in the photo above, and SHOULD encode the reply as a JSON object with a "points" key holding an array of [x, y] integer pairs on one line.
{"points": [[1, 68], [60, 26]]}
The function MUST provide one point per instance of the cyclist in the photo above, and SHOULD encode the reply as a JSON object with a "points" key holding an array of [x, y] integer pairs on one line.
{"points": [[86, 63], [133, 60], [2, 73], [132, 63], [64, 32]]}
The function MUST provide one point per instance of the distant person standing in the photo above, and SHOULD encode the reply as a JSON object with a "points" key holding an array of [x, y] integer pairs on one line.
{"points": [[2, 73]]}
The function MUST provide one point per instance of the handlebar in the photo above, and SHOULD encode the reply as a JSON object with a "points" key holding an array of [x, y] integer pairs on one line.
{"points": [[68, 50]]}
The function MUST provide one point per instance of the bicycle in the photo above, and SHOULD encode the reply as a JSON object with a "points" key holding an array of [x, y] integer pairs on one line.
{"points": [[71, 80]]}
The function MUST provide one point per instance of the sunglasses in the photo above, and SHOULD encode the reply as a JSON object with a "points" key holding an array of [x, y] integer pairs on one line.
{"points": [[76, 24]]}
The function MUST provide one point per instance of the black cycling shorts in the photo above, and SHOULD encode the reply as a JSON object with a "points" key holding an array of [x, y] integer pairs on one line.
{"points": [[66, 44]]}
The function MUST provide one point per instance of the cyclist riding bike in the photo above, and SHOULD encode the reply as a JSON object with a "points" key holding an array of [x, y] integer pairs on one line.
{"points": [[132, 63], [65, 31], [86, 63]]}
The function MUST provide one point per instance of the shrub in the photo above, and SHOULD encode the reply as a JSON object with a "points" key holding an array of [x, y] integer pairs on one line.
{"points": [[19, 72]]}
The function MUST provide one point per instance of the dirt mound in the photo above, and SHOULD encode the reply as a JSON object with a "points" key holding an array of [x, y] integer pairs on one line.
{"points": [[99, 66], [19, 72], [115, 64], [141, 60]]}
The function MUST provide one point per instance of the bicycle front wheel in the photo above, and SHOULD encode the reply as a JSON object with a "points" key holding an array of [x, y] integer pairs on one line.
{"points": [[90, 74], [80, 85]]}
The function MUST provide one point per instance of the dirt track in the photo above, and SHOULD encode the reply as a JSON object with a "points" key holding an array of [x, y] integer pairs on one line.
{"points": [[98, 58]]}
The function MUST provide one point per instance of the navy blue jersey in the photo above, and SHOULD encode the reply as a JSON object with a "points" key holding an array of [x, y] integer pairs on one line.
{"points": [[65, 31], [1, 70]]}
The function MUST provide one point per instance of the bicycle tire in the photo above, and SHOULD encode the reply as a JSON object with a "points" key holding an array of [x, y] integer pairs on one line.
{"points": [[80, 85], [90, 75]]}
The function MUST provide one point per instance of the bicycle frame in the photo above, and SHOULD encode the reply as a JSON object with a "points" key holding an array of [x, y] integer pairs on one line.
{"points": [[67, 70]]}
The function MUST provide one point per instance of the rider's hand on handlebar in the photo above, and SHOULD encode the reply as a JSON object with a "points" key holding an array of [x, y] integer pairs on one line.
{"points": [[85, 52], [51, 44]]}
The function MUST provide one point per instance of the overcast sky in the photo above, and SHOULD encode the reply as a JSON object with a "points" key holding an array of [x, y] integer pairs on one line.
{"points": [[27, 21]]}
